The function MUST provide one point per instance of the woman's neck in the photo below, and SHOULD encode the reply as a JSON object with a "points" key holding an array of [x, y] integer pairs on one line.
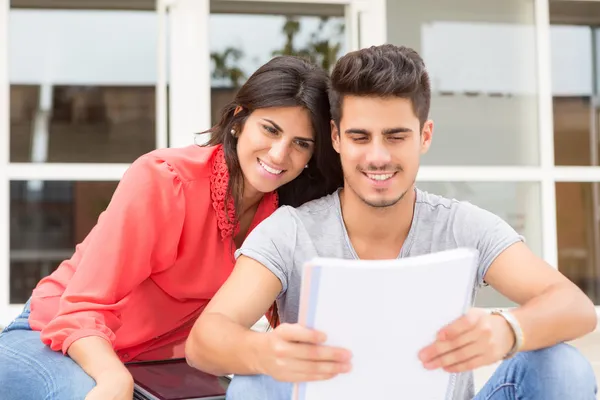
{"points": [[250, 199]]}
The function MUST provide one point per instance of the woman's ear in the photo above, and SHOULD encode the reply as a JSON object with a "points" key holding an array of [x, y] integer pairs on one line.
{"points": [[237, 110]]}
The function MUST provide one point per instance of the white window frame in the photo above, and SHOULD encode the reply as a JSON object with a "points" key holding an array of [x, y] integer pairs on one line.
{"points": [[53, 171], [4, 158], [189, 111], [183, 30], [546, 174]]}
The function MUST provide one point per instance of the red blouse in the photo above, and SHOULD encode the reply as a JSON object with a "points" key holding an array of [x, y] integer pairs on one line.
{"points": [[157, 255]]}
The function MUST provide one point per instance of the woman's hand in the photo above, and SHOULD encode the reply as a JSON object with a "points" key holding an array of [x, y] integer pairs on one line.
{"points": [[113, 385]]}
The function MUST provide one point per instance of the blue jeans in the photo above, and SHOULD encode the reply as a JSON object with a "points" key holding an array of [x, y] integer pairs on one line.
{"points": [[556, 373], [31, 370]]}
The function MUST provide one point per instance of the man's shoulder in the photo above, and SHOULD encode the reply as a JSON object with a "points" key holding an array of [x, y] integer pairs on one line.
{"points": [[457, 216], [310, 216], [313, 210], [434, 203], [317, 207], [452, 211]]}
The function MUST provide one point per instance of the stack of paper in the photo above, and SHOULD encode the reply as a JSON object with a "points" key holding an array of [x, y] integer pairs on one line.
{"points": [[385, 312]]}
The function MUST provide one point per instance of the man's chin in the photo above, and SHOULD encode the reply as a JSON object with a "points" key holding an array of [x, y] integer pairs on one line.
{"points": [[380, 202]]}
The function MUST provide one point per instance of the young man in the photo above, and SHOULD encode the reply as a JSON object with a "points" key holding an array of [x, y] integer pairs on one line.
{"points": [[380, 103]]}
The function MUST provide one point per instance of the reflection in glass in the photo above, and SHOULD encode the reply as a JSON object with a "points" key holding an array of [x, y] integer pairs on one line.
{"points": [[578, 226], [238, 48], [481, 59], [81, 85], [47, 220], [515, 203], [576, 90], [575, 140]]}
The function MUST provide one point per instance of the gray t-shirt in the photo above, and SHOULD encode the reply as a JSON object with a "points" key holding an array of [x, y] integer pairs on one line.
{"points": [[291, 236]]}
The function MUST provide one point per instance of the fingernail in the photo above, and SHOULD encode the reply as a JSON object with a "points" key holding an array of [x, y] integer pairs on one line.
{"points": [[429, 365]]}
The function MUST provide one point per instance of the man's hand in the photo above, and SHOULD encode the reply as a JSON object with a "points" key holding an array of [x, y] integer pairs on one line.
{"points": [[293, 353], [112, 385], [474, 340]]}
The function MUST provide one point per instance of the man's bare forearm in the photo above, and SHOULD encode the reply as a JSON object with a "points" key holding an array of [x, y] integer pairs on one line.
{"points": [[557, 315], [219, 346]]}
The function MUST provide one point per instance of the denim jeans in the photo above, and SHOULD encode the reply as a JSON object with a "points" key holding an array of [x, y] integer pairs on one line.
{"points": [[555, 373], [31, 370]]}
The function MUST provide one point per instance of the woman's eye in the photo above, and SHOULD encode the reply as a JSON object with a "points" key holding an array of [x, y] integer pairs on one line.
{"points": [[303, 144], [270, 129]]}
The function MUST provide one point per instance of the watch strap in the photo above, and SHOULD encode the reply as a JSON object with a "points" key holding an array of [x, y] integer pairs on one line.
{"points": [[516, 329]]}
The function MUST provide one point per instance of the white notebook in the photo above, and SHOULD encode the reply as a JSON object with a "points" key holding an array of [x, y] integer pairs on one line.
{"points": [[385, 312]]}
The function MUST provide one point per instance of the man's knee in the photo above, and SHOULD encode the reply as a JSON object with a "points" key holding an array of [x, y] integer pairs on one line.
{"points": [[562, 367], [258, 387]]}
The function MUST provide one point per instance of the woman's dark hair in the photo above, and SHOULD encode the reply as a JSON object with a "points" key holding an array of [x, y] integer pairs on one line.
{"points": [[284, 81]]}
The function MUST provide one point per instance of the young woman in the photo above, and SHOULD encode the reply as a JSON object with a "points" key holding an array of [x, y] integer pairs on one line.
{"points": [[166, 242]]}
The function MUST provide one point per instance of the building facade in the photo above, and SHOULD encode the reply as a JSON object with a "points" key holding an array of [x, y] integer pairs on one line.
{"points": [[88, 86]]}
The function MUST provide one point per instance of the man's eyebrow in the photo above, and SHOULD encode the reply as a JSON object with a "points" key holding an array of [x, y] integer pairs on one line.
{"points": [[391, 131], [357, 130], [387, 131], [277, 127]]}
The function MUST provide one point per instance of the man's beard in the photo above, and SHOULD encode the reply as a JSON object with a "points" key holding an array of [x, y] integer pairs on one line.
{"points": [[384, 203]]}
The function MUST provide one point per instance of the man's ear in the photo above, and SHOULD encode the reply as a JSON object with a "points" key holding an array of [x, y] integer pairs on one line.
{"points": [[426, 136], [335, 136]]}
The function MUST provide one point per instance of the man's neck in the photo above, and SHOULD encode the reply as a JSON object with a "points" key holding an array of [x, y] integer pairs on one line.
{"points": [[377, 233]]}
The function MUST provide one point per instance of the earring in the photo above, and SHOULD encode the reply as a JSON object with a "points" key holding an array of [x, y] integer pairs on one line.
{"points": [[232, 132], [306, 166]]}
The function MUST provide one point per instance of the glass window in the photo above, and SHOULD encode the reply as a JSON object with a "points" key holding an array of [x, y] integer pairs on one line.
{"points": [[238, 48], [578, 216], [481, 57], [81, 85], [576, 89], [47, 220], [575, 131], [516, 203]]}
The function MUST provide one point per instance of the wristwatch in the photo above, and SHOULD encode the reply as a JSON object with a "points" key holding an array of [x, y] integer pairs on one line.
{"points": [[516, 328]]}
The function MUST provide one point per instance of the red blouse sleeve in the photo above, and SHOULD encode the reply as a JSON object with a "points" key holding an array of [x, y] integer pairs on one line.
{"points": [[137, 235]]}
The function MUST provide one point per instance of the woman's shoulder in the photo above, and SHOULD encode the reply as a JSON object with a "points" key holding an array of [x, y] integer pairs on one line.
{"points": [[189, 163]]}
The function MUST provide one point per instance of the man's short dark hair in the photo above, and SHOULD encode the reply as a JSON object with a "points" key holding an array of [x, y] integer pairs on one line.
{"points": [[381, 71]]}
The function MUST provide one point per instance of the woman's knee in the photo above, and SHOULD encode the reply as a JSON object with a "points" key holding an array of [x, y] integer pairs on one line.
{"points": [[31, 370], [258, 387]]}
